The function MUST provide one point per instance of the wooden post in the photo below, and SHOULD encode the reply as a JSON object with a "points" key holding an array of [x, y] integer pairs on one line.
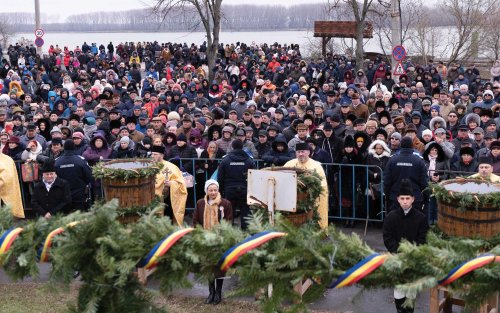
{"points": [[446, 304], [324, 42]]}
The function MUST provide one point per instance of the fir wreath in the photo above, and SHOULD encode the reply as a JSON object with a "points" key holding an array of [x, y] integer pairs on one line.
{"points": [[106, 254], [145, 168]]}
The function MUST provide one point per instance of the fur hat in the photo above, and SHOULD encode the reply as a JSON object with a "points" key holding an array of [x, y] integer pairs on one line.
{"points": [[467, 150], [406, 188], [301, 146], [349, 142], [158, 149], [485, 160], [210, 182], [48, 167]]}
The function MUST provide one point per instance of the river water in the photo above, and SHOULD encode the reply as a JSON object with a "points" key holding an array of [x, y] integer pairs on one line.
{"points": [[72, 39], [302, 37]]}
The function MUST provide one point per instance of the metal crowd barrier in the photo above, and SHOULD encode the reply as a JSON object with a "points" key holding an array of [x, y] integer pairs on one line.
{"points": [[363, 201], [351, 194]]}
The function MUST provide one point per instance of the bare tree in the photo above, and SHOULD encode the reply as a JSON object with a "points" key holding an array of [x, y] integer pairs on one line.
{"points": [[359, 11], [469, 18], [210, 15], [6, 32], [412, 11], [491, 43], [424, 38]]}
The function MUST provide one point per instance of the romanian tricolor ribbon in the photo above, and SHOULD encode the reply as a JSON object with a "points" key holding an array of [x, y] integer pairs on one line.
{"points": [[43, 252], [468, 267], [8, 238], [360, 270], [151, 260], [250, 243]]}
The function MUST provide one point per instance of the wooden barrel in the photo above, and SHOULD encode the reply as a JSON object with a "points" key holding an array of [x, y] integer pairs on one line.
{"points": [[483, 222], [133, 192]]}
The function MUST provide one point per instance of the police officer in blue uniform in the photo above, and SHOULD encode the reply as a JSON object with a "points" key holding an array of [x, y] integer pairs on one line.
{"points": [[407, 164], [75, 170]]}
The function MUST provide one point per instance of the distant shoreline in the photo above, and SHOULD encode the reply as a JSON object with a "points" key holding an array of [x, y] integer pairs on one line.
{"points": [[164, 32]]}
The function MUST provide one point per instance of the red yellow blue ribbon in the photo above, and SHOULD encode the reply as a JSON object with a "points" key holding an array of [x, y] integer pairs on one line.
{"points": [[250, 243], [8, 238], [360, 270], [468, 267], [43, 253], [151, 260]]}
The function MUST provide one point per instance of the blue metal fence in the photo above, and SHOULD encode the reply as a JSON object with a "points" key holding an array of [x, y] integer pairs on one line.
{"points": [[352, 195]]}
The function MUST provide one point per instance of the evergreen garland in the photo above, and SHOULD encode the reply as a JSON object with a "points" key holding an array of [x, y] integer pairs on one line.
{"points": [[106, 254], [102, 171]]}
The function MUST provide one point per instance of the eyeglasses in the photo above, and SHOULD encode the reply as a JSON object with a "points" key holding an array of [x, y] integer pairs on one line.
{"points": [[394, 139], [76, 138]]}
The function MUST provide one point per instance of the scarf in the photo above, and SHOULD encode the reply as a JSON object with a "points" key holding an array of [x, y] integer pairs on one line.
{"points": [[210, 214], [432, 165]]}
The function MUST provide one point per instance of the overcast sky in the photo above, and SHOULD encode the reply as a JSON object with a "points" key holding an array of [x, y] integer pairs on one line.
{"points": [[58, 10], [65, 8]]}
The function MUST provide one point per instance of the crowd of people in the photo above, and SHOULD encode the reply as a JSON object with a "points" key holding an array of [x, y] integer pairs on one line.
{"points": [[81, 105]]}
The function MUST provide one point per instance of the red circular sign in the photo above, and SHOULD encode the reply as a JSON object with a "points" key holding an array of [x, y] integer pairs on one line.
{"points": [[39, 42], [39, 33], [399, 53]]}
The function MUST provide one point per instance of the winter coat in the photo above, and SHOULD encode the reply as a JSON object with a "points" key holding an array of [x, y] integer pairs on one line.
{"points": [[30, 155], [275, 157], [47, 155], [321, 156], [377, 160], [119, 153], [333, 146], [459, 168], [349, 177], [212, 164], [398, 226], [442, 167], [56, 200], [233, 169], [75, 170], [15, 153], [93, 155], [200, 210], [184, 152], [407, 164]]}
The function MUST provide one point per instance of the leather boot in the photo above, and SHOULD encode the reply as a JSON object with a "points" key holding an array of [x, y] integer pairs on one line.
{"points": [[218, 291], [211, 290]]}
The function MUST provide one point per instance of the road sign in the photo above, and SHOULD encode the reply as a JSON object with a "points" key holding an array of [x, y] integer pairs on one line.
{"points": [[399, 53], [39, 42], [39, 33], [399, 70]]}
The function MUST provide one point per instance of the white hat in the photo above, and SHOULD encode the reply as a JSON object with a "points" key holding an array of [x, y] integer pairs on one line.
{"points": [[211, 182], [488, 92]]}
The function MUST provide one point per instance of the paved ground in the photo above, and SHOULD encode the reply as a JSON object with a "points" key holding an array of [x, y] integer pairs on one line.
{"points": [[342, 300]]}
